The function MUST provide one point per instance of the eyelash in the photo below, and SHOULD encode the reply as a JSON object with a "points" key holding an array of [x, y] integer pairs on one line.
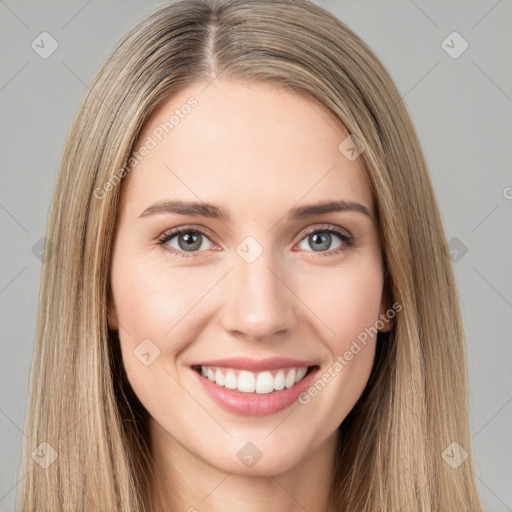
{"points": [[347, 240]]}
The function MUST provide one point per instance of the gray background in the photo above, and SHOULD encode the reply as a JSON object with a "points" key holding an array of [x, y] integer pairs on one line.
{"points": [[461, 108]]}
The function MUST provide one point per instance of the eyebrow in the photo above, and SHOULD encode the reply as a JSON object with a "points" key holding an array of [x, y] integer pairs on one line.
{"points": [[212, 211]]}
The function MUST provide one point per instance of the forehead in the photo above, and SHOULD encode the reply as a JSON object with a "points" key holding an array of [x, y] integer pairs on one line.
{"points": [[243, 144]]}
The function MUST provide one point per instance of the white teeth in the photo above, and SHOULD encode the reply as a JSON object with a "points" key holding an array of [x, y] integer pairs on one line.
{"points": [[231, 381], [250, 382], [300, 374], [290, 378], [279, 380], [264, 383], [246, 382], [219, 378]]}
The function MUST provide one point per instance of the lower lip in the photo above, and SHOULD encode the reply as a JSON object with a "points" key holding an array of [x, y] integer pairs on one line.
{"points": [[254, 404]]}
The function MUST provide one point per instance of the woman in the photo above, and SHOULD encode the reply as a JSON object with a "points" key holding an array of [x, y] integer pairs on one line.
{"points": [[194, 350]]}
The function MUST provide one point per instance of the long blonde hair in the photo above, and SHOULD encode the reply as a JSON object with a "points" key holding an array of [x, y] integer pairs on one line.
{"points": [[83, 417]]}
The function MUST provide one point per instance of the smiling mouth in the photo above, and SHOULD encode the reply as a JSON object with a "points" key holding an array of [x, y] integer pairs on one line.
{"points": [[260, 383]]}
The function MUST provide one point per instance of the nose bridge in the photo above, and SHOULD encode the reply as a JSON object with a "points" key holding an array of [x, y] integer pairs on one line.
{"points": [[258, 303]]}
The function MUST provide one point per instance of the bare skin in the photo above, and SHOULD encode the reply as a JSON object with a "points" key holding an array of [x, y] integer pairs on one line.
{"points": [[257, 152]]}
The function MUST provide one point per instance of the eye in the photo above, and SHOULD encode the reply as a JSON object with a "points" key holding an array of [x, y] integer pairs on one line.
{"points": [[321, 240], [184, 242], [188, 242]]}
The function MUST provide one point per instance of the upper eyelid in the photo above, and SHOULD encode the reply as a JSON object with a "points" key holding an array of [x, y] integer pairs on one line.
{"points": [[171, 233], [326, 227]]}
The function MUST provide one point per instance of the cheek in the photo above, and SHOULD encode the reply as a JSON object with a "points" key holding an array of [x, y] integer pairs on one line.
{"points": [[157, 303], [146, 294], [346, 302], [146, 302], [347, 306], [149, 302]]}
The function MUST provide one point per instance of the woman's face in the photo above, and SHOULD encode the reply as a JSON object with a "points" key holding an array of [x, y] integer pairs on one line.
{"points": [[254, 276]]}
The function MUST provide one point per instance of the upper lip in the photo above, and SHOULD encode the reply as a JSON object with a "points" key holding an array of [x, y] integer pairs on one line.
{"points": [[256, 365]]}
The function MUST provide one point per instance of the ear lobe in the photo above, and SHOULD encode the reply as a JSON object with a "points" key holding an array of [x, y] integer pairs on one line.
{"points": [[112, 321], [385, 322], [386, 306]]}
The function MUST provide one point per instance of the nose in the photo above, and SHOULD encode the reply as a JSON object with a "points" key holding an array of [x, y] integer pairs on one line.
{"points": [[259, 302]]}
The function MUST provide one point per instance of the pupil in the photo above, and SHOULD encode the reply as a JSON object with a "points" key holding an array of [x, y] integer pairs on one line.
{"points": [[326, 237], [191, 241]]}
